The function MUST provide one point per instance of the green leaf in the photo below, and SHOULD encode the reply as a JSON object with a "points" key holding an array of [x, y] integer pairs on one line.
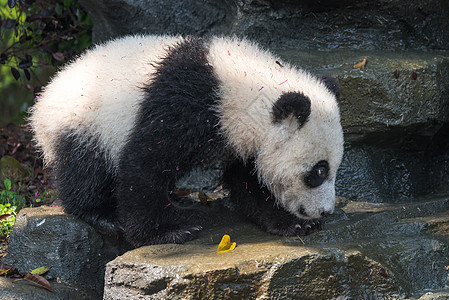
{"points": [[7, 183], [40, 271]]}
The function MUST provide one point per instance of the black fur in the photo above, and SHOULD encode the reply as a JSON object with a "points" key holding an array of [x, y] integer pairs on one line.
{"points": [[176, 130], [332, 84], [258, 205], [84, 183], [317, 175], [291, 103]]}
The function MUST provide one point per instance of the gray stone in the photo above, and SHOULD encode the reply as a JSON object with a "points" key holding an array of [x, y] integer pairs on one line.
{"points": [[365, 251], [325, 25], [23, 290], [46, 236], [384, 97], [115, 18]]}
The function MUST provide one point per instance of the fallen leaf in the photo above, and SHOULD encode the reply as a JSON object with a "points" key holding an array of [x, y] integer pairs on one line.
{"points": [[58, 56], [361, 65], [181, 193], [6, 269], [396, 73], [39, 280], [203, 198], [5, 216], [226, 245], [383, 272], [40, 271]]}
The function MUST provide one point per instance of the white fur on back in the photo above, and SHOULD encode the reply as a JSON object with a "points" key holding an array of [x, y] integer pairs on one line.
{"points": [[99, 93]]}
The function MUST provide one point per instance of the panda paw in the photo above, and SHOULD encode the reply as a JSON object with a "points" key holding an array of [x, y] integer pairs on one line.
{"points": [[179, 235], [170, 235], [104, 225], [293, 227]]}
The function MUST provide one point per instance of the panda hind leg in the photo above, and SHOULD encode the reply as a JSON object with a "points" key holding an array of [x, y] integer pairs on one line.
{"points": [[146, 214], [258, 205], [85, 182]]}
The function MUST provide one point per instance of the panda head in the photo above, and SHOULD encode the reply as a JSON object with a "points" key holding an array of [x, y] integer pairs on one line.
{"points": [[302, 150]]}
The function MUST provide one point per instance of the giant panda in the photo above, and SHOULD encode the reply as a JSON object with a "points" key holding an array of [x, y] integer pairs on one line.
{"points": [[123, 122]]}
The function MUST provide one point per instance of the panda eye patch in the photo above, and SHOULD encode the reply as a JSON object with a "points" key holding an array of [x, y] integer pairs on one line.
{"points": [[317, 175]]}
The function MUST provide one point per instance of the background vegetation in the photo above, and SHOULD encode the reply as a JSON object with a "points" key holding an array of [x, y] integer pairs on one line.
{"points": [[36, 37]]}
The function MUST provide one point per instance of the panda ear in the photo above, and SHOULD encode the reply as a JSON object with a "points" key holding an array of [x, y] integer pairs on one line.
{"points": [[295, 104], [332, 84]]}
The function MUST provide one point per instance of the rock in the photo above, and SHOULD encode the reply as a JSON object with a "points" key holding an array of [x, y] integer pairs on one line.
{"points": [[383, 104], [384, 99], [11, 169], [444, 295], [187, 17], [395, 112], [271, 270], [45, 236], [373, 251], [325, 25], [23, 290], [377, 174], [364, 250]]}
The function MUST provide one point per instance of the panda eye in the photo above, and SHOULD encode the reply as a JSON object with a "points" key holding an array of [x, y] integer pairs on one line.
{"points": [[321, 172], [317, 175]]}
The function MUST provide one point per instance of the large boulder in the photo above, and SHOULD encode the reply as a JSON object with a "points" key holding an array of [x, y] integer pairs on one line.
{"points": [[76, 254]]}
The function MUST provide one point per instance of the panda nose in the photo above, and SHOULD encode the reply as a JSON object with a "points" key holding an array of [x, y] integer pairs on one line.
{"points": [[325, 213]]}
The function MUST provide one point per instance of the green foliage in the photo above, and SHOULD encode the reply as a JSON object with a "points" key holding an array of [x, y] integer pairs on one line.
{"points": [[7, 219], [36, 36], [39, 33], [10, 203], [8, 196]]}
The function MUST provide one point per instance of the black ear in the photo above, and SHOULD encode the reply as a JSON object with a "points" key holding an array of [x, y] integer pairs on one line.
{"points": [[332, 84], [295, 104]]}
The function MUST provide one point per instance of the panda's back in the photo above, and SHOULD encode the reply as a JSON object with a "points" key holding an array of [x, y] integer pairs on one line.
{"points": [[98, 94]]}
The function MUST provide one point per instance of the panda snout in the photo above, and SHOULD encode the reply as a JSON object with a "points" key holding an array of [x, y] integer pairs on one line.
{"points": [[319, 214], [325, 213]]}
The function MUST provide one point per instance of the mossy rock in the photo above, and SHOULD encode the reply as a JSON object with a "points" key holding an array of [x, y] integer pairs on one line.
{"points": [[10, 168]]}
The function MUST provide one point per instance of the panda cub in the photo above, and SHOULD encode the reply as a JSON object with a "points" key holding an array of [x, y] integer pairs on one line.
{"points": [[122, 123]]}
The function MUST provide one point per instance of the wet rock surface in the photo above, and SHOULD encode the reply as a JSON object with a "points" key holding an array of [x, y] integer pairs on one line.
{"points": [[365, 250]]}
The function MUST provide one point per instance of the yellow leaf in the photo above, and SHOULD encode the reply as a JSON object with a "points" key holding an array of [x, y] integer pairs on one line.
{"points": [[40, 271], [361, 65], [225, 244]]}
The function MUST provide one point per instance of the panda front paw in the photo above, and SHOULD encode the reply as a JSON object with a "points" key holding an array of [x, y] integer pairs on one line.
{"points": [[293, 227], [178, 235], [165, 235]]}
